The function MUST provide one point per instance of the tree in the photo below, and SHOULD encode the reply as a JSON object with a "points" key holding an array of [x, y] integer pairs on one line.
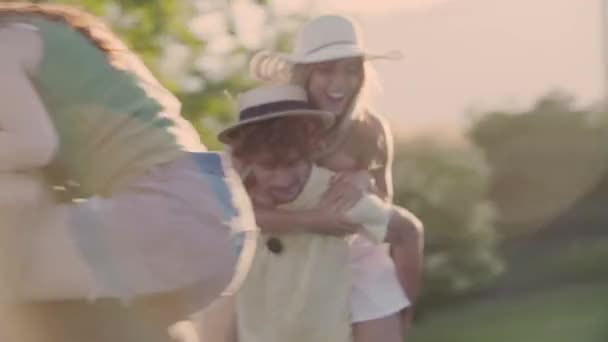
{"points": [[542, 160], [198, 49], [445, 186]]}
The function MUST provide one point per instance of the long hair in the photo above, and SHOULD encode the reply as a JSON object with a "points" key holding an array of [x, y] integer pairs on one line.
{"points": [[272, 67], [356, 129], [354, 124]]}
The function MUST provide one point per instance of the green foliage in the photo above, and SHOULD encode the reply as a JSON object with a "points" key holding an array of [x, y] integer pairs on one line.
{"points": [[175, 38], [567, 314], [445, 186], [542, 160], [572, 261]]}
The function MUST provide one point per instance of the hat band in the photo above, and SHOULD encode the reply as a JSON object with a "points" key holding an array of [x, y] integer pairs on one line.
{"points": [[341, 42], [274, 107]]}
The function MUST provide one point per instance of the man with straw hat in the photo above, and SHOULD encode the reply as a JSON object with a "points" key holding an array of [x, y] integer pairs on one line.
{"points": [[330, 61], [300, 287]]}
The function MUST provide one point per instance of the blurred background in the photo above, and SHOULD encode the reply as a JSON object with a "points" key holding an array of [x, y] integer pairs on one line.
{"points": [[502, 140]]}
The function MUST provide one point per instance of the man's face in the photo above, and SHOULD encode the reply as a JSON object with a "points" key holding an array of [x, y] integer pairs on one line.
{"points": [[279, 180]]}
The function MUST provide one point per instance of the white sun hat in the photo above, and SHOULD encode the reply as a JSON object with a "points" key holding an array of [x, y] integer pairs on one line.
{"points": [[324, 38], [271, 102]]}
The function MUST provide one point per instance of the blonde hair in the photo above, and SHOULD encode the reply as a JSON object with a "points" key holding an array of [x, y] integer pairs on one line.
{"points": [[354, 114], [271, 67]]}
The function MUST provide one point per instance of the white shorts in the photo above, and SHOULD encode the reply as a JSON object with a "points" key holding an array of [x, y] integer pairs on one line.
{"points": [[376, 290]]}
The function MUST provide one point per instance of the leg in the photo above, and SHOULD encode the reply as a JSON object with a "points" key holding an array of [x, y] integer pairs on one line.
{"points": [[385, 329], [377, 298], [406, 252]]}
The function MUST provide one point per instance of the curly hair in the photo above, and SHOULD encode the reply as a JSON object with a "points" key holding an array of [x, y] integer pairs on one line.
{"points": [[356, 130], [278, 137]]}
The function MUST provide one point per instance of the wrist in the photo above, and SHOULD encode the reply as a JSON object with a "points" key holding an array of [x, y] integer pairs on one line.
{"points": [[307, 221]]}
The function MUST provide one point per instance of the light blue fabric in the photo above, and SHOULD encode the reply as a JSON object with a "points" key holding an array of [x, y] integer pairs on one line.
{"points": [[87, 226], [210, 165], [212, 169]]}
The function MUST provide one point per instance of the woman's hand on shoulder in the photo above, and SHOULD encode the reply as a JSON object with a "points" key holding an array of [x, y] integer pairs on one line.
{"points": [[346, 189], [332, 223], [312, 221]]}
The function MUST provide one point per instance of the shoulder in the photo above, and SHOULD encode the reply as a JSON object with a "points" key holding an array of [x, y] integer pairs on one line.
{"points": [[380, 129], [21, 45], [410, 219], [378, 124]]}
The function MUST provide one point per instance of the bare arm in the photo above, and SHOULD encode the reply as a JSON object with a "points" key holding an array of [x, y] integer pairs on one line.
{"points": [[406, 231], [272, 220], [277, 221], [28, 139], [406, 235], [383, 176]]}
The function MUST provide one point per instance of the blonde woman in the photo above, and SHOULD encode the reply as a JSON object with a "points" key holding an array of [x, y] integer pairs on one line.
{"points": [[146, 228], [330, 62], [304, 280]]}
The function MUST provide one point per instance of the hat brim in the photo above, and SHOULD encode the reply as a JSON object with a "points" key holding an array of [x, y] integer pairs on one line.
{"points": [[340, 52], [326, 118]]}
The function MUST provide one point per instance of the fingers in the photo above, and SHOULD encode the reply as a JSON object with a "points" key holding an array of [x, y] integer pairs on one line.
{"points": [[340, 178], [346, 198], [344, 229], [335, 224], [346, 201], [342, 194], [351, 227], [332, 201], [332, 194], [361, 179], [347, 224]]}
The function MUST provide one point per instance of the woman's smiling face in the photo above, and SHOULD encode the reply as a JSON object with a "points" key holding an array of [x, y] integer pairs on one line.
{"points": [[333, 85]]}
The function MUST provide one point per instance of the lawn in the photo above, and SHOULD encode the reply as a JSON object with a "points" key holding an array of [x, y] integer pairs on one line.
{"points": [[568, 314]]}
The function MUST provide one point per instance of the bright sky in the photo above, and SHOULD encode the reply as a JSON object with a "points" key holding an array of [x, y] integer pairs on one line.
{"points": [[378, 7], [491, 54]]}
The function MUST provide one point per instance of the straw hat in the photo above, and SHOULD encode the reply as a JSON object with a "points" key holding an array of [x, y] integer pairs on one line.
{"points": [[324, 38], [271, 102]]}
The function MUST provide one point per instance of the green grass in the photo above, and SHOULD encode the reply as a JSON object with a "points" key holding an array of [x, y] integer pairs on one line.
{"points": [[570, 314], [574, 260]]}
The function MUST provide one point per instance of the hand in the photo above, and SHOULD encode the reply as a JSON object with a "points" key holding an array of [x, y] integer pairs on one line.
{"points": [[346, 190], [362, 179], [331, 223]]}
